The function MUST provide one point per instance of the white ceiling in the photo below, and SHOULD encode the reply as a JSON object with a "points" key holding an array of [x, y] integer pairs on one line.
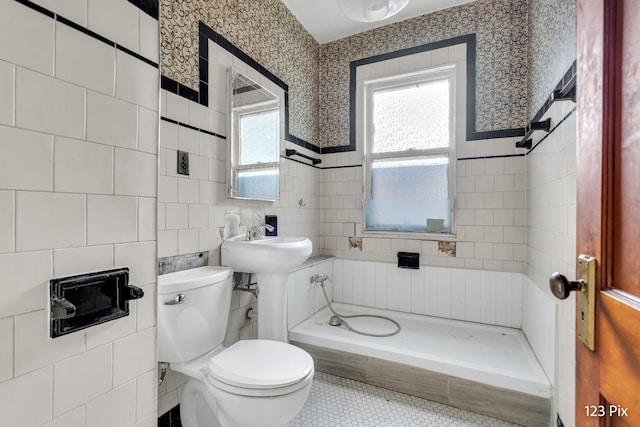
{"points": [[325, 22]]}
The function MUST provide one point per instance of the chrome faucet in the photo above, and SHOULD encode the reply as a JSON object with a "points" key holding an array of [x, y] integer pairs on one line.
{"points": [[254, 233]]}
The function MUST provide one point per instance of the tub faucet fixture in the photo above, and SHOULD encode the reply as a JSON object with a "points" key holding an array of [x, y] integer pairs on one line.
{"points": [[319, 278], [257, 231]]}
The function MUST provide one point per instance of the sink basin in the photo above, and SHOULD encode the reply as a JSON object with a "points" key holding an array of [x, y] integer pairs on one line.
{"points": [[268, 255]]}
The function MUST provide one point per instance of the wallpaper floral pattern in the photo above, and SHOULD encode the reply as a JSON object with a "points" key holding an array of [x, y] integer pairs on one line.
{"points": [[263, 29], [552, 31], [501, 68], [318, 75]]}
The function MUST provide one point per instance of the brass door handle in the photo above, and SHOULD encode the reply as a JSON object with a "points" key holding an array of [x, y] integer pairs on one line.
{"points": [[561, 287]]}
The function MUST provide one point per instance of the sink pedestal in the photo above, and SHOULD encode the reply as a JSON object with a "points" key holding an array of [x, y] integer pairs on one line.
{"points": [[272, 306]]}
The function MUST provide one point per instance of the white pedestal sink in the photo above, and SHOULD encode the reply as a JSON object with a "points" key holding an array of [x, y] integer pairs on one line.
{"points": [[271, 259]]}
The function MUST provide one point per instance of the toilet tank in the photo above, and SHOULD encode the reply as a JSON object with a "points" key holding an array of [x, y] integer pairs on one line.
{"points": [[193, 309]]}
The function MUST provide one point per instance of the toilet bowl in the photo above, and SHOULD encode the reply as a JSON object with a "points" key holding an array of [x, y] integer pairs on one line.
{"points": [[252, 383]]}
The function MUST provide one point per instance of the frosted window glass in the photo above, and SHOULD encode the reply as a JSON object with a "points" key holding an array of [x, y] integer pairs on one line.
{"points": [[409, 117], [418, 179], [252, 184], [254, 147]]}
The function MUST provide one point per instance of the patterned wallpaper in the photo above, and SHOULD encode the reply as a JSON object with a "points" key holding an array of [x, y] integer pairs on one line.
{"points": [[318, 76], [501, 68], [263, 29], [552, 32]]}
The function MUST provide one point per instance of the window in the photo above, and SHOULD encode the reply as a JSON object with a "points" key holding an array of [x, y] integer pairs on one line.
{"points": [[409, 152], [257, 162]]}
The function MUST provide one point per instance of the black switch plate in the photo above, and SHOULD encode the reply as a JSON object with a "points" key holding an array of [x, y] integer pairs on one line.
{"points": [[183, 163]]}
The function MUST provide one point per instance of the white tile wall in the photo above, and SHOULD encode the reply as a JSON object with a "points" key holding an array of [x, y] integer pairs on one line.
{"points": [[491, 297], [551, 247], [80, 198]]}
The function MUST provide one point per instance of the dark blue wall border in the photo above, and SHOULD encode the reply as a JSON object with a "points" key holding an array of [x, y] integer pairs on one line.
{"points": [[472, 134]]}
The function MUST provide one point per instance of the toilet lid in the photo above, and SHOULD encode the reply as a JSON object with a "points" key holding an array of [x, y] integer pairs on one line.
{"points": [[261, 364]]}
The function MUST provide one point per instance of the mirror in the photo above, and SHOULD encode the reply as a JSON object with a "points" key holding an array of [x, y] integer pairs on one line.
{"points": [[254, 154]]}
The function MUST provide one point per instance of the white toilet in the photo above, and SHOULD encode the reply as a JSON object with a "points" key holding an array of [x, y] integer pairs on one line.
{"points": [[252, 383]]}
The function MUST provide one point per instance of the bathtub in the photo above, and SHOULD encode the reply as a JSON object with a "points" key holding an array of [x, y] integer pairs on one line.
{"points": [[481, 359]]}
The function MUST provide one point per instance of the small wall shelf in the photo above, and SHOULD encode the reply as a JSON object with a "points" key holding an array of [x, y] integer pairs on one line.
{"points": [[526, 141]]}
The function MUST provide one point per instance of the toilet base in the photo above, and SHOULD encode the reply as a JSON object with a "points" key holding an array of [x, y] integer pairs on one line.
{"points": [[207, 406]]}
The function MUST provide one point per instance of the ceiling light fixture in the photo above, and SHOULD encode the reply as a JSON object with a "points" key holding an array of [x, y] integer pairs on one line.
{"points": [[371, 10]]}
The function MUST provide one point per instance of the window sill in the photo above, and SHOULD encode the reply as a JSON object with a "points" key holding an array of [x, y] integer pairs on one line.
{"points": [[449, 237]]}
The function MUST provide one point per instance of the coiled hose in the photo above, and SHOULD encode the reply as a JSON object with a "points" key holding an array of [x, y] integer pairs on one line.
{"points": [[351, 316]]}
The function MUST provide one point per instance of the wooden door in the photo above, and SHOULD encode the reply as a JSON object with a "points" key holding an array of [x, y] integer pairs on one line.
{"points": [[608, 199]]}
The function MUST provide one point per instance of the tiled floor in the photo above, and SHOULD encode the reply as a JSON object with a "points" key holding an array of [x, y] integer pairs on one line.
{"points": [[336, 401]]}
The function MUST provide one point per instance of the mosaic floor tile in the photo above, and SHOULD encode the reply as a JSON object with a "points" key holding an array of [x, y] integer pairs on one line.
{"points": [[336, 401]]}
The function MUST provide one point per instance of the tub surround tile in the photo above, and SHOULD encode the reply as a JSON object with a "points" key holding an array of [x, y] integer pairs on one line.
{"points": [[7, 93], [93, 175], [102, 15], [6, 352], [111, 121], [133, 356], [74, 418], [86, 259], [115, 408], [111, 219]]}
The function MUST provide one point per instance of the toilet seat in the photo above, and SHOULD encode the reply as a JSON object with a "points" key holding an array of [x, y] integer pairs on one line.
{"points": [[260, 368]]}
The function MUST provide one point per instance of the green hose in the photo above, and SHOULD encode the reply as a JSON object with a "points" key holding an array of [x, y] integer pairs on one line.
{"points": [[350, 316]]}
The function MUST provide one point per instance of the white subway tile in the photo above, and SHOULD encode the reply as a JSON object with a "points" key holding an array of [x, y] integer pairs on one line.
{"points": [[177, 216], [133, 356], [83, 60], [168, 189], [169, 135], [136, 173], [149, 38], [7, 93], [74, 10], [7, 221], [146, 394], [93, 174], [27, 160], [147, 214], [62, 226], [188, 241], [199, 167], [74, 418], [140, 257], [33, 408], [198, 115], [73, 261], [188, 190], [198, 216], [458, 293], [177, 108], [34, 347], [6, 351], [146, 308], [167, 243], [49, 105], [116, 408], [25, 281], [137, 81], [358, 282], [504, 298], [111, 121], [188, 140], [147, 130], [111, 219], [102, 16], [106, 333], [80, 379], [35, 33]]}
